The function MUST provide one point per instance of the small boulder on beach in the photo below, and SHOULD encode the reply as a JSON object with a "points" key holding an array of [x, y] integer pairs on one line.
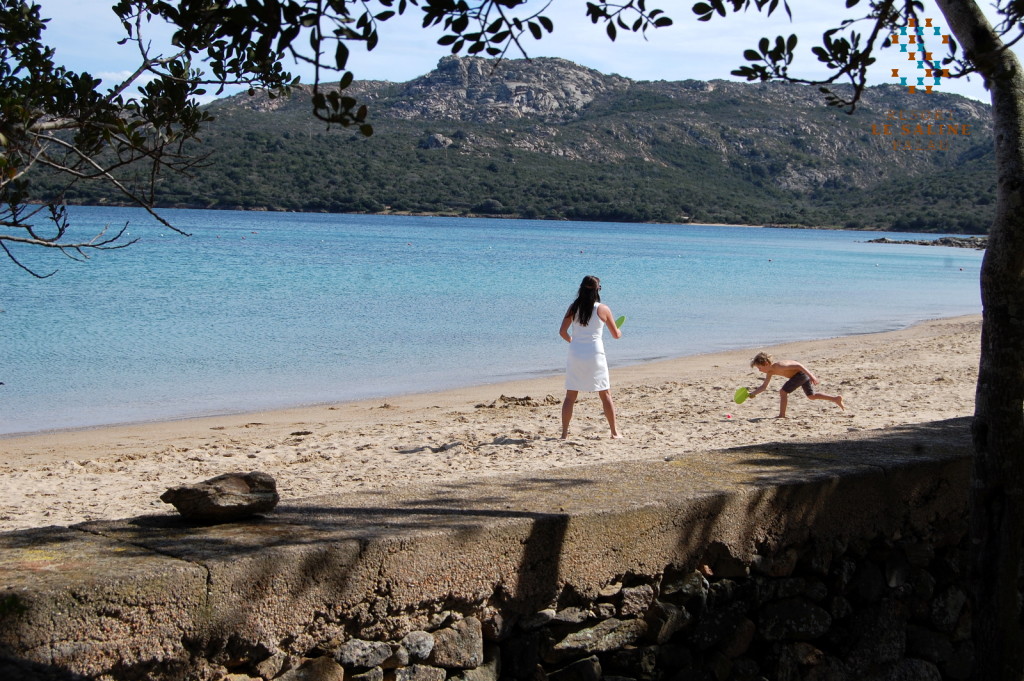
{"points": [[225, 498]]}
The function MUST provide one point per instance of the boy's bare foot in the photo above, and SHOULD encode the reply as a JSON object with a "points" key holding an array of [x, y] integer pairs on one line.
{"points": [[839, 403], [616, 436], [781, 416]]}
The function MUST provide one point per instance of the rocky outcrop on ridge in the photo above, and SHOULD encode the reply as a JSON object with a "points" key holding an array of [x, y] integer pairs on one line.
{"points": [[484, 90]]}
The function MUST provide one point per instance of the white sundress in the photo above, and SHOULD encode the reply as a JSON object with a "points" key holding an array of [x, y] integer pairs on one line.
{"points": [[587, 368]]}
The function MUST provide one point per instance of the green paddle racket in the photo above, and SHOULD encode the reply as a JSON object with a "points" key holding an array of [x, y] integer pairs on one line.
{"points": [[741, 395], [620, 321]]}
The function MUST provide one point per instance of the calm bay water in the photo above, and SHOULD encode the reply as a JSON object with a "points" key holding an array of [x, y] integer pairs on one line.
{"points": [[268, 310]]}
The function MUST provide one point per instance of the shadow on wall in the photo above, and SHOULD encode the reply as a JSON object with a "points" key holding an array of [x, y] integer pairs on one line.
{"points": [[315, 569]]}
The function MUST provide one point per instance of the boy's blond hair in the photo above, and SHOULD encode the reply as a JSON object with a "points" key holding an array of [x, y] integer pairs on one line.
{"points": [[762, 359]]}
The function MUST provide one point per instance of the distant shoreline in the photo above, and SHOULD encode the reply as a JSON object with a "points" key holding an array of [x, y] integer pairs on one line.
{"points": [[509, 216]]}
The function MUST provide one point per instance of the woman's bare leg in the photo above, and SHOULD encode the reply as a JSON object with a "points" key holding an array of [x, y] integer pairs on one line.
{"points": [[567, 405], [609, 411]]}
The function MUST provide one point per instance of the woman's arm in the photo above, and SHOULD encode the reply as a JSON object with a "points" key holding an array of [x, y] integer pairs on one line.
{"points": [[605, 314], [566, 323]]}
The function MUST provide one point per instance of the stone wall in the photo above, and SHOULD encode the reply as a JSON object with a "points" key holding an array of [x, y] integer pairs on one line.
{"points": [[789, 561], [886, 607]]}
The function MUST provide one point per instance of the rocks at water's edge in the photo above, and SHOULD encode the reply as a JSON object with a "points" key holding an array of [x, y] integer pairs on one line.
{"points": [[978, 242]]}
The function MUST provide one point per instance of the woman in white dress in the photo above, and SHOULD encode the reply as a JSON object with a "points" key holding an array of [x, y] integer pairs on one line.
{"points": [[587, 368]]}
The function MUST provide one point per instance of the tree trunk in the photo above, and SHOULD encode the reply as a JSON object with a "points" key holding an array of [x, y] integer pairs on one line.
{"points": [[997, 487]]}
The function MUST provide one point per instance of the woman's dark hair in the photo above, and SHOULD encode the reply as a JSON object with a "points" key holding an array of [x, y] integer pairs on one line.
{"points": [[583, 307]]}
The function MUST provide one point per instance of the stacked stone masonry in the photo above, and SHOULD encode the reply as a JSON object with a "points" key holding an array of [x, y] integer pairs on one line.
{"points": [[888, 608]]}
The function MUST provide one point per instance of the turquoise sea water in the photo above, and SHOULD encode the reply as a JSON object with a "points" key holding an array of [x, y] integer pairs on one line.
{"points": [[268, 310]]}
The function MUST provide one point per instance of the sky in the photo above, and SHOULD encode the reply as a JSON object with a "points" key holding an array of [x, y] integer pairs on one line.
{"points": [[85, 35]]}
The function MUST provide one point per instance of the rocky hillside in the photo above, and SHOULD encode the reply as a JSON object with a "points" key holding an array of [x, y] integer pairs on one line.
{"points": [[549, 138]]}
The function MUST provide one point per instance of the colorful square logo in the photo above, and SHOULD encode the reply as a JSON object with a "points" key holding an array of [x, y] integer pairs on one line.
{"points": [[925, 73]]}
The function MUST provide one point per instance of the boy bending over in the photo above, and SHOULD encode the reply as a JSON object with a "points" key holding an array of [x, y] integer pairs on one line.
{"points": [[796, 375]]}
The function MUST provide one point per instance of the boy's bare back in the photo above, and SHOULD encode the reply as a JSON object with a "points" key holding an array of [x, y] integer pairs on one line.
{"points": [[785, 367]]}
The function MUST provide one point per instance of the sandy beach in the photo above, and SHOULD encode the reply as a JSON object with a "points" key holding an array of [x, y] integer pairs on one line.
{"points": [[924, 373]]}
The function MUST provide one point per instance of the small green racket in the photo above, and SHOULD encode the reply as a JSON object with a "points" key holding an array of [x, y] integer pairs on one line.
{"points": [[741, 395], [620, 321]]}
